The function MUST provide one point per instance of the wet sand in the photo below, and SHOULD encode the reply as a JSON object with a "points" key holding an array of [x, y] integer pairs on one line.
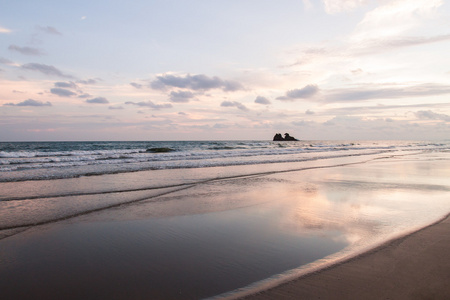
{"points": [[198, 233], [416, 266]]}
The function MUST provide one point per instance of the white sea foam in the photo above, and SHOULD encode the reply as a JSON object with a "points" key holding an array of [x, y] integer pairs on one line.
{"points": [[24, 161]]}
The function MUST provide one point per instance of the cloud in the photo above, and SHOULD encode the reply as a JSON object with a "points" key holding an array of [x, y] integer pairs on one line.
{"points": [[150, 104], [5, 30], [363, 94], [363, 43], [7, 62], [181, 96], [415, 40], [115, 107], [307, 5], [394, 18], [378, 128], [429, 115], [136, 85], [234, 104], [30, 102], [98, 100], [49, 30], [303, 123], [358, 110], [337, 6], [221, 126], [70, 85], [262, 100], [45, 69], [309, 112], [195, 82], [88, 81], [62, 92], [374, 46], [85, 95], [26, 50], [304, 93]]}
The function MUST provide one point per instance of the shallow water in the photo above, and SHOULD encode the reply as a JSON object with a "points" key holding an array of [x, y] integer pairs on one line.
{"points": [[195, 233]]}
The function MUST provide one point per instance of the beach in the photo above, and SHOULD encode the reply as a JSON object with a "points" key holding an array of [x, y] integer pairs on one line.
{"points": [[338, 224], [412, 267]]}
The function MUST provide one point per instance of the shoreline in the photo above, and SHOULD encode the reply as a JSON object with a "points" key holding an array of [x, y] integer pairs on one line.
{"points": [[390, 270], [228, 235]]}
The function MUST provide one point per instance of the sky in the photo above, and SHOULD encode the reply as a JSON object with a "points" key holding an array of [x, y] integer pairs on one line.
{"points": [[224, 69]]}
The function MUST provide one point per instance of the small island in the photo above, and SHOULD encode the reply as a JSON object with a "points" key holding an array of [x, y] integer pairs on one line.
{"points": [[287, 137]]}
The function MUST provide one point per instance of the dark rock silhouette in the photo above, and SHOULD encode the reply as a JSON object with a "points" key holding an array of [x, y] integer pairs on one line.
{"points": [[287, 137], [278, 137], [159, 150]]}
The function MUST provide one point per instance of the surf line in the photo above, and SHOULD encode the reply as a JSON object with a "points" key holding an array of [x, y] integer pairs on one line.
{"points": [[197, 182], [183, 186]]}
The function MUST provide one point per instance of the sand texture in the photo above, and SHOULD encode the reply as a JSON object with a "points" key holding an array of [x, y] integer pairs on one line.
{"points": [[416, 266]]}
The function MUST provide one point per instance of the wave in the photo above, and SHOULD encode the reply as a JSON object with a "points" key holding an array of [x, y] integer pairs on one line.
{"points": [[82, 159]]}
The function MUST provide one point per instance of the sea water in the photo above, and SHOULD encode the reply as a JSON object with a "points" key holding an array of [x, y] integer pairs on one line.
{"points": [[51, 160]]}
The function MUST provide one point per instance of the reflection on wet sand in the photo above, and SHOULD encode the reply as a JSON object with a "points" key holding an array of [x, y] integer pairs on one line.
{"points": [[215, 236]]}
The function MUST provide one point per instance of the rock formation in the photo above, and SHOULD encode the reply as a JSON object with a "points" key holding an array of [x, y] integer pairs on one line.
{"points": [[278, 137], [287, 137]]}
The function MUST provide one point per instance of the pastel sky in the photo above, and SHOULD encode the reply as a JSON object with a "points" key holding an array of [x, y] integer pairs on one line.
{"points": [[224, 69]]}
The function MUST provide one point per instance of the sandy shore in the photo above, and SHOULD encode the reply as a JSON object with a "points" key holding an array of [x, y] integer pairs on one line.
{"points": [[213, 232], [416, 266]]}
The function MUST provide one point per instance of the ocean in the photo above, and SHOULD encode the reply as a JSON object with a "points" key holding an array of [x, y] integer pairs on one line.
{"points": [[203, 219], [52, 160]]}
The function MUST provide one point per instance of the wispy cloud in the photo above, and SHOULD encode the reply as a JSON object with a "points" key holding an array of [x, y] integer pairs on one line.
{"points": [[70, 85], [62, 92], [304, 93], [430, 115], [388, 27], [115, 107], [26, 50], [98, 100], [307, 4], [7, 62], [29, 102], [338, 6], [45, 69], [395, 18], [195, 82], [84, 95], [150, 104], [88, 81], [370, 93], [415, 40], [234, 104], [5, 30], [136, 85], [262, 100], [381, 108], [49, 30], [372, 46]]}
